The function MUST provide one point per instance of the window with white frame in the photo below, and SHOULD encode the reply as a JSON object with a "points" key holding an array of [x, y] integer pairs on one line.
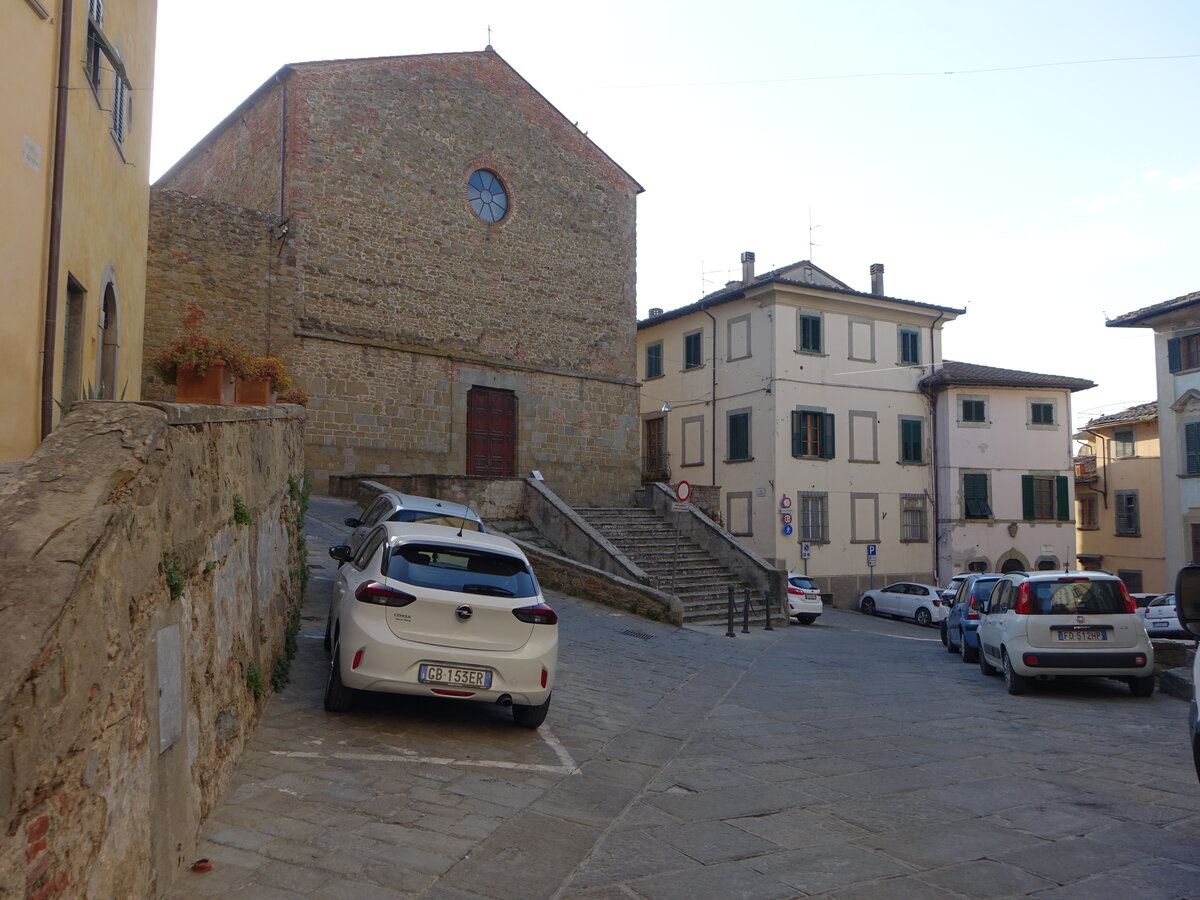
{"points": [[814, 517], [913, 518]]}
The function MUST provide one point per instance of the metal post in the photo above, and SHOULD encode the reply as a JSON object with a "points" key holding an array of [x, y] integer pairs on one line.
{"points": [[769, 596], [729, 632], [746, 612]]}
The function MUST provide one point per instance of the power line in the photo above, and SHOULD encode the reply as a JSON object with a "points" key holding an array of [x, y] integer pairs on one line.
{"points": [[918, 74]]}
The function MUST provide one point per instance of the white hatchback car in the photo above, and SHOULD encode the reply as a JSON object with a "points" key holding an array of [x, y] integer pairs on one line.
{"points": [[444, 612], [920, 602], [1050, 624], [804, 598]]}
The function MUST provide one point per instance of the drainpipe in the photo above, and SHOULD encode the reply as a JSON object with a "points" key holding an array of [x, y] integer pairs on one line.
{"points": [[54, 248], [1103, 492], [933, 443], [714, 396]]}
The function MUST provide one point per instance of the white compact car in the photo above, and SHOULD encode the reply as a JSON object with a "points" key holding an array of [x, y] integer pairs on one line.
{"points": [[920, 602], [1051, 624], [440, 612], [804, 599]]}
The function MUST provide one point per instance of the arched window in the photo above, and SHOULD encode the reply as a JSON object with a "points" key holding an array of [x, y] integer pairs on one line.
{"points": [[110, 343]]}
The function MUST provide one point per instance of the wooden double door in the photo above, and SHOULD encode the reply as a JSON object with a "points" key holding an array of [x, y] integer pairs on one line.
{"points": [[491, 432]]}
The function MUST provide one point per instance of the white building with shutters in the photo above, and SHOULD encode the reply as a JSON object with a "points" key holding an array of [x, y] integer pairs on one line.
{"points": [[1004, 469], [799, 398]]}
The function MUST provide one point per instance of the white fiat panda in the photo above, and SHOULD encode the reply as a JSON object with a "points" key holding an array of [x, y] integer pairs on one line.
{"points": [[1051, 624]]}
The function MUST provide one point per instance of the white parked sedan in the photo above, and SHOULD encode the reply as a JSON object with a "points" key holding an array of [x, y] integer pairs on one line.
{"points": [[436, 611], [920, 602], [804, 599], [1160, 618]]}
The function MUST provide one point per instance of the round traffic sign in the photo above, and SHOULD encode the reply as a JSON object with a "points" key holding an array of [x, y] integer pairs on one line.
{"points": [[787, 529], [785, 502], [683, 490], [787, 518]]}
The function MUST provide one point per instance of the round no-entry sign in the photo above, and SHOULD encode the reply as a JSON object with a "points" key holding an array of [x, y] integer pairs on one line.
{"points": [[683, 490]]}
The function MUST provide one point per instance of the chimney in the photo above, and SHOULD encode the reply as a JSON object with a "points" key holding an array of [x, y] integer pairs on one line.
{"points": [[656, 311], [747, 267], [876, 278]]}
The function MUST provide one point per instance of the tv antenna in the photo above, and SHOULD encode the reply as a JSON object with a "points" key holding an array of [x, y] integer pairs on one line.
{"points": [[811, 229]]}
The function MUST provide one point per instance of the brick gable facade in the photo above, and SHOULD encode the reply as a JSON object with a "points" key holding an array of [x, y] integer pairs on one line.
{"points": [[403, 299]]}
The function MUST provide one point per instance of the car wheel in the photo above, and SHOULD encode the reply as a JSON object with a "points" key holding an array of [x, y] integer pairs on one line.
{"points": [[530, 716], [806, 620], [338, 697], [868, 606], [968, 653], [984, 666], [1016, 684], [1142, 687], [950, 648], [924, 619]]}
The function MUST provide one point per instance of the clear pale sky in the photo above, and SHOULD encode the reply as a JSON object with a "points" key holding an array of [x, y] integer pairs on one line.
{"points": [[1034, 161]]}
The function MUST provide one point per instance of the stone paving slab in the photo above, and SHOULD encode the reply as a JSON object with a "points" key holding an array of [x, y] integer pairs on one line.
{"points": [[849, 760]]}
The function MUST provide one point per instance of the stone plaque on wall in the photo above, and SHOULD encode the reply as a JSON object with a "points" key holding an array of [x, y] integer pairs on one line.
{"points": [[170, 686]]}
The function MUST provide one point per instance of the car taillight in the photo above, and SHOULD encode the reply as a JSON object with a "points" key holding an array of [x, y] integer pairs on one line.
{"points": [[1130, 603], [545, 676], [1023, 600], [381, 595], [973, 615], [937, 602], [537, 615], [793, 590]]}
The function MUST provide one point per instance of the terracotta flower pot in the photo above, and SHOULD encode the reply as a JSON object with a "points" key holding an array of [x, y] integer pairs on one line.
{"points": [[215, 386], [254, 392]]}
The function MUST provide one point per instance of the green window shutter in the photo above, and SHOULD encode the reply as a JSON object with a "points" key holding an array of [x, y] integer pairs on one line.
{"points": [[910, 440], [1062, 495], [1191, 445], [1026, 496], [975, 490], [1173, 363], [797, 424], [827, 451]]}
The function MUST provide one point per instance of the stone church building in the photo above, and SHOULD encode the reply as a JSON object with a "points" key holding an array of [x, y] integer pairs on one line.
{"points": [[445, 263]]}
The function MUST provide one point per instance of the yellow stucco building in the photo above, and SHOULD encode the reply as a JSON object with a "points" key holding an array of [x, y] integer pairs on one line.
{"points": [[74, 178]]}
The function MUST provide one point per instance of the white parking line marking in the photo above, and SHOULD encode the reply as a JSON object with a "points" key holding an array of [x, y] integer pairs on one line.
{"points": [[568, 767], [902, 637]]}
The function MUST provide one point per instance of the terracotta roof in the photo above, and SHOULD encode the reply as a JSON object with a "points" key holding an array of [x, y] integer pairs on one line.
{"points": [[1140, 413], [738, 291], [959, 374], [1139, 318]]}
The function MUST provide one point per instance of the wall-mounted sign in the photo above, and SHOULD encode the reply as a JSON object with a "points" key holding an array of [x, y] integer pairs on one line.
{"points": [[683, 490]]}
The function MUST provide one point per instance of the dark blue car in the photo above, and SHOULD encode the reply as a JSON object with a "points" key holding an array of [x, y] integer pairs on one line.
{"points": [[959, 629]]}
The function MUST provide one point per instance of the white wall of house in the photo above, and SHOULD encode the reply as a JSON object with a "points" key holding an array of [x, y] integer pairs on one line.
{"points": [[1007, 445], [763, 371], [1178, 406]]}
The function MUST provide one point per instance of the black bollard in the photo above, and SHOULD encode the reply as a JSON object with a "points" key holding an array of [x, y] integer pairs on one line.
{"points": [[769, 597], [746, 612], [730, 633]]}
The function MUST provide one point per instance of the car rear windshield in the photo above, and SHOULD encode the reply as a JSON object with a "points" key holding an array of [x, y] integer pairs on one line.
{"points": [[1052, 598], [805, 583], [468, 571], [436, 518]]}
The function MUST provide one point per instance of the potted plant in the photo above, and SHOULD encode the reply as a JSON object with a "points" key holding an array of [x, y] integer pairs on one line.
{"points": [[260, 380], [202, 368]]}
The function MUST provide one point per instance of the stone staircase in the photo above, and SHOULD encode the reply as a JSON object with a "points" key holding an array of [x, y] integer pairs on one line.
{"points": [[676, 565]]}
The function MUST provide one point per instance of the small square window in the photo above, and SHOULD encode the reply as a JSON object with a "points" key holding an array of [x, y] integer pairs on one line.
{"points": [[1041, 413], [1123, 444], [974, 411]]}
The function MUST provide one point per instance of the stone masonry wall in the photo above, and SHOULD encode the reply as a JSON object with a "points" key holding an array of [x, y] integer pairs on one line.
{"points": [[233, 263], [152, 566], [405, 299]]}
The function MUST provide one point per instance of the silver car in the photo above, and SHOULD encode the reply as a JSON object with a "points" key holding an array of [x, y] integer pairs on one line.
{"points": [[393, 506]]}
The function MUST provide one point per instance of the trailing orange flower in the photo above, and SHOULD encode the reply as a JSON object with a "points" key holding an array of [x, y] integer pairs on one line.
{"points": [[269, 367]]}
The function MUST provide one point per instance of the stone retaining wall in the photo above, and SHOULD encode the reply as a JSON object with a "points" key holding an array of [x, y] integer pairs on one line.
{"points": [[152, 568]]}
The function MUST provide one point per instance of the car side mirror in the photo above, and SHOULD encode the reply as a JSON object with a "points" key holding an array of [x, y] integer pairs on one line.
{"points": [[341, 553], [1187, 598], [353, 522]]}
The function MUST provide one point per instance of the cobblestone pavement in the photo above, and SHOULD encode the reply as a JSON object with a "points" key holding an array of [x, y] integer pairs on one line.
{"points": [[851, 759]]}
